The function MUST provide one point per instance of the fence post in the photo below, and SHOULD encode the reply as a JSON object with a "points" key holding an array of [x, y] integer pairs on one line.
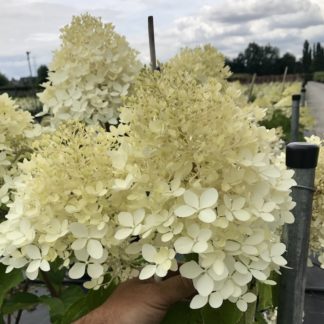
{"points": [[302, 97], [152, 42], [251, 87], [294, 126], [302, 157]]}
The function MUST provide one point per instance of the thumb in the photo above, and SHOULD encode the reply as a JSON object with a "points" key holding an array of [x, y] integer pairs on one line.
{"points": [[176, 288]]}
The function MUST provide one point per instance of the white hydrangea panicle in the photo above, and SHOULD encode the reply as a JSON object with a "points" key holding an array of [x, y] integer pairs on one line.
{"points": [[16, 133], [156, 185], [90, 73], [203, 63]]}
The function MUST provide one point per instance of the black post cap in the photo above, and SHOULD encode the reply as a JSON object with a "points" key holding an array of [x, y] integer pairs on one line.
{"points": [[296, 97], [300, 155]]}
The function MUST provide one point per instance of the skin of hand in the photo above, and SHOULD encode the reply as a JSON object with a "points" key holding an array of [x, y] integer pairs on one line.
{"points": [[140, 301]]}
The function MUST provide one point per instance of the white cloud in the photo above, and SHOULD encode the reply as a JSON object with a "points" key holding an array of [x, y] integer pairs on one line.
{"points": [[229, 25]]}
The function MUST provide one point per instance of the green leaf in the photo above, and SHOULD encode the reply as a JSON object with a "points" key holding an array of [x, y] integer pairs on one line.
{"points": [[91, 300], [20, 300], [8, 281], [71, 294], [228, 313], [56, 307], [182, 313]]}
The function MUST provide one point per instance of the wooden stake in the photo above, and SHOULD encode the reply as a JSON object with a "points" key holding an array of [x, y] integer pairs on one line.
{"points": [[284, 78], [152, 42], [251, 87]]}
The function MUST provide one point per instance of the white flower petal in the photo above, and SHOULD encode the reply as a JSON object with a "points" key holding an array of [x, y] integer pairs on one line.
{"points": [[79, 244], [219, 267], [227, 289], [207, 215], [200, 247], [204, 235], [125, 219], [242, 215], [33, 266], [139, 216], [95, 249], [183, 245], [95, 270], [190, 270], [240, 267], [259, 275], [123, 233], [208, 198], [279, 260], [44, 265], [198, 302], [242, 279], [278, 249], [81, 255], [249, 297], [162, 270], [184, 211], [77, 271], [215, 300], [147, 272], [32, 252], [191, 199], [204, 284], [241, 305], [148, 252], [238, 203], [32, 275]]}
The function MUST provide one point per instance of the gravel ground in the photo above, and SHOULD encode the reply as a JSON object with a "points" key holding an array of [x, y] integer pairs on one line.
{"points": [[315, 101]]}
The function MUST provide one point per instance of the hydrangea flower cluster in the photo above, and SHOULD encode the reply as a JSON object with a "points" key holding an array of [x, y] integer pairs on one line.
{"points": [[272, 97], [89, 74], [316, 241], [187, 172], [202, 63], [16, 129]]}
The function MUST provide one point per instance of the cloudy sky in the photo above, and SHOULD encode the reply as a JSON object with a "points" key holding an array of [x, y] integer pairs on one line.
{"points": [[33, 25]]}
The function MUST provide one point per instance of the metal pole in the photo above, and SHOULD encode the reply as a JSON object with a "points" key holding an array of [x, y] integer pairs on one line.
{"points": [[302, 97], [29, 66], [294, 118], [302, 157], [152, 42]]}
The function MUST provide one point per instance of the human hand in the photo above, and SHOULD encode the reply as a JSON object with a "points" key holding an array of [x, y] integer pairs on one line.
{"points": [[140, 301]]}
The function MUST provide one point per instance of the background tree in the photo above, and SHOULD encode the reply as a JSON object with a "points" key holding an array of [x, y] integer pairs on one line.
{"points": [[42, 74], [307, 57], [318, 58], [3, 80], [287, 60]]}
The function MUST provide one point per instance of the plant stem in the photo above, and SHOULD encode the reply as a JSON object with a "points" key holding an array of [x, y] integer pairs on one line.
{"points": [[49, 285], [25, 289]]}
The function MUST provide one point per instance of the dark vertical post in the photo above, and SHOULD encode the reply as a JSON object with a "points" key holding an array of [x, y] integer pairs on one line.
{"points": [[152, 42], [284, 78], [302, 157], [302, 97], [29, 66], [294, 118], [251, 87]]}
